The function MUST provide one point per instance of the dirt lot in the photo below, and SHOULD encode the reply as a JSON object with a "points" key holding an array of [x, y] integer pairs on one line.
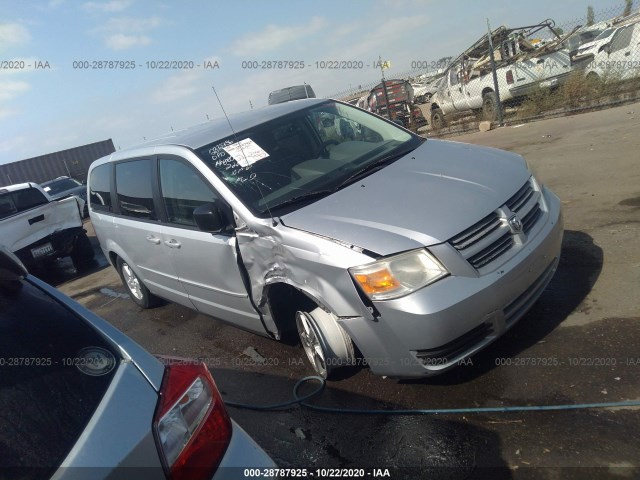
{"points": [[588, 320]]}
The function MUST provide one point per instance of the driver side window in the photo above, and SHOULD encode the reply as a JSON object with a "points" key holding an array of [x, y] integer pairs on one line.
{"points": [[183, 190]]}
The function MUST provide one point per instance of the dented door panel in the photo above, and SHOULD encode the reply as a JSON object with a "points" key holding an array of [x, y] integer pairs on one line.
{"points": [[314, 265]]}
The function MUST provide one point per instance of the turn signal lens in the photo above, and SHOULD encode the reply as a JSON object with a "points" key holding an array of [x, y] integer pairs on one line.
{"points": [[399, 275], [377, 282]]}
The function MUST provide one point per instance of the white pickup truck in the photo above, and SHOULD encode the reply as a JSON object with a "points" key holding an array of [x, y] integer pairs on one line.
{"points": [[38, 229], [521, 65]]}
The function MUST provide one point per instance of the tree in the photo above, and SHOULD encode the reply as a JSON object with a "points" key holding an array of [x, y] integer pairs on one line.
{"points": [[627, 8], [590, 16]]}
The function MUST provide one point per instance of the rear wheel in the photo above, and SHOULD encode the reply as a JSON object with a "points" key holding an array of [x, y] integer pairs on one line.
{"points": [[326, 344], [437, 119], [82, 255], [489, 106], [135, 288]]}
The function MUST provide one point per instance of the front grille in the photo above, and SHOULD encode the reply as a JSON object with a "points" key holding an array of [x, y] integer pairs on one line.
{"points": [[493, 251], [477, 232], [491, 238], [450, 351], [531, 218], [521, 197]]}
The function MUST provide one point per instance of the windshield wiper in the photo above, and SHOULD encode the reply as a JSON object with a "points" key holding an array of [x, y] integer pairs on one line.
{"points": [[373, 166], [304, 197]]}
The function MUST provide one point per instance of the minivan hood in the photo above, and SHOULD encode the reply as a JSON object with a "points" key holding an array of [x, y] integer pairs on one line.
{"points": [[422, 199]]}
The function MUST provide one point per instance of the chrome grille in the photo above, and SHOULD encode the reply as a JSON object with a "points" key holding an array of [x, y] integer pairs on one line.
{"points": [[531, 218], [491, 238], [521, 197], [493, 251], [476, 232]]}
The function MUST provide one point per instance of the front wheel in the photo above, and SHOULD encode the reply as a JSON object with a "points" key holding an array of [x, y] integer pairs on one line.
{"points": [[327, 345], [136, 289]]}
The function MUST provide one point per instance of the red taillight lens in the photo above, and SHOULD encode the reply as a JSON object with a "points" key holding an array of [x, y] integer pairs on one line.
{"points": [[509, 77], [191, 425]]}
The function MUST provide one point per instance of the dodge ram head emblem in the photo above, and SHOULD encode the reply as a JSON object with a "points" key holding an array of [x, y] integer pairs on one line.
{"points": [[515, 224]]}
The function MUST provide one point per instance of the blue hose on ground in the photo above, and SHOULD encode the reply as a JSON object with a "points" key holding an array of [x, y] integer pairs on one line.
{"points": [[302, 401]]}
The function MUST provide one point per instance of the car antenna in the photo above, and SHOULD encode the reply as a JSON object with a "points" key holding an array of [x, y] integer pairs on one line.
{"points": [[235, 136]]}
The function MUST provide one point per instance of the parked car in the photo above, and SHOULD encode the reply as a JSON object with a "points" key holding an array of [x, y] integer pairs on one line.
{"points": [[578, 38], [589, 49], [80, 399], [296, 92], [62, 187], [420, 252], [618, 58], [423, 91], [39, 229]]}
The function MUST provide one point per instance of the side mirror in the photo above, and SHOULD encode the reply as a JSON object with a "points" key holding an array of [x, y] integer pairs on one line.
{"points": [[606, 48], [212, 218]]}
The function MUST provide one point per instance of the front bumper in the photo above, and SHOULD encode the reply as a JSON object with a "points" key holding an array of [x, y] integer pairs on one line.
{"points": [[434, 329]]}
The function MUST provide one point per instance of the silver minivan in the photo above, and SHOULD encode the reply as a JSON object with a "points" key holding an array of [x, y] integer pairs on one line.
{"points": [[318, 220]]}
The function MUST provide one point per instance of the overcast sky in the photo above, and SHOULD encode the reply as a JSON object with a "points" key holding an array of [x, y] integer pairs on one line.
{"points": [[49, 103]]}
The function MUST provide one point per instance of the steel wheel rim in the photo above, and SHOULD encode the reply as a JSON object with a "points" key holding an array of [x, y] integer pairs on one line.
{"points": [[132, 281], [311, 344]]}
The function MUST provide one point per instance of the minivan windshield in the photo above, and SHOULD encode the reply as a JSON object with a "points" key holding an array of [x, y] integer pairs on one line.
{"points": [[292, 160]]}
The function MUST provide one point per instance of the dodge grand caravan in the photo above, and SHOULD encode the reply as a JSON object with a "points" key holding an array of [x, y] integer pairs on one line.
{"points": [[346, 233]]}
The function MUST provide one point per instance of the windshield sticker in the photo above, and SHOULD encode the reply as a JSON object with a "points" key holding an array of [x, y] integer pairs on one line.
{"points": [[246, 152], [46, 189]]}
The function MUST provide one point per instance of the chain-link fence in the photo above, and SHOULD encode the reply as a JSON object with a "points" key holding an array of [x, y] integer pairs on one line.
{"points": [[519, 74]]}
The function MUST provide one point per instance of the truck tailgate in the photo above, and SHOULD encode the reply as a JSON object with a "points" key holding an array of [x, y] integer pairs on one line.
{"points": [[25, 228]]}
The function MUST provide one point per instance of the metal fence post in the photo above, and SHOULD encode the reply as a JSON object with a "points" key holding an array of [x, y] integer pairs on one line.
{"points": [[495, 78]]}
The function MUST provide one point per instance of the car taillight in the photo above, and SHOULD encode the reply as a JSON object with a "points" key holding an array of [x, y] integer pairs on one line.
{"points": [[509, 77], [191, 425]]}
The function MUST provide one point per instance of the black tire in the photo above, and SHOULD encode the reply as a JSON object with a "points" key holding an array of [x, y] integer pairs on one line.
{"points": [[138, 292], [437, 119], [82, 255], [489, 106]]}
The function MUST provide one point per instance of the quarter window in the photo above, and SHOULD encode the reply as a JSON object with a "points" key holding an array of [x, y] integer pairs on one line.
{"points": [[133, 187], [28, 198], [100, 188], [7, 207], [183, 190]]}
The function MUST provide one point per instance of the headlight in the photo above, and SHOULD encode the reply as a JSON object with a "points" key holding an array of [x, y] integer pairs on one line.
{"points": [[399, 275]]}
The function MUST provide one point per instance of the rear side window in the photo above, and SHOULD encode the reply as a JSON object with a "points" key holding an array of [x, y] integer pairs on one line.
{"points": [[28, 198], [55, 371], [100, 188], [133, 186], [7, 207]]}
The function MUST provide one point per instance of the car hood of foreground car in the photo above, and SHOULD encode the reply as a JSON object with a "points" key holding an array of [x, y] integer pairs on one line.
{"points": [[422, 199]]}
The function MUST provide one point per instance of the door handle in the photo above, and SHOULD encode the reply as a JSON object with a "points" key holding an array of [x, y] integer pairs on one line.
{"points": [[172, 243], [152, 239]]}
